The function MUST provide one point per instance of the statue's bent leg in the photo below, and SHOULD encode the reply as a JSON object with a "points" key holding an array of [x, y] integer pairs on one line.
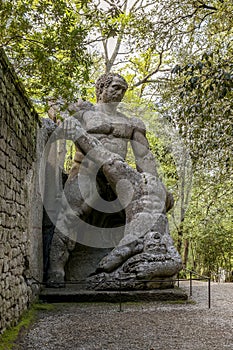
{"points": [[59, 254], [66, 231], [145, 213]]}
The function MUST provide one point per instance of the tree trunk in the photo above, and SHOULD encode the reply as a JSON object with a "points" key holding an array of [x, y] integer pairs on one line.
{"points": [[186, 252]]}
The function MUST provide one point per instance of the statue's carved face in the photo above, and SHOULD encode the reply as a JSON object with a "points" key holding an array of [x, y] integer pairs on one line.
{"points": [[114, 92], [153, 243]]}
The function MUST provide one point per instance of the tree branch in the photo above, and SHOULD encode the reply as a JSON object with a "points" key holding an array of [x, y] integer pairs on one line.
{"points": [[110, 62], [21, 37], [105, 45], [146, 78], [207, 7]]}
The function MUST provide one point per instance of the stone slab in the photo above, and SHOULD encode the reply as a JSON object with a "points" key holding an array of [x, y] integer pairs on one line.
{"points": [[72, 294]]}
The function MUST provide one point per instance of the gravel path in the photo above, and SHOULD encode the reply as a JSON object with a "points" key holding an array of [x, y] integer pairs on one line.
{"points": [[140, 326]]}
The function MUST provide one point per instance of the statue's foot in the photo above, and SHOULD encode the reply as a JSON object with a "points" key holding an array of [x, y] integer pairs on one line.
{"points": [[55, 279], [119, 255]]}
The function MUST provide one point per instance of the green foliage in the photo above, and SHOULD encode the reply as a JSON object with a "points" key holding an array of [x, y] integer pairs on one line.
{"points": [[164, 159], [45, 40], [198, 101], [70, 153], [204, 100], [208, 225]]}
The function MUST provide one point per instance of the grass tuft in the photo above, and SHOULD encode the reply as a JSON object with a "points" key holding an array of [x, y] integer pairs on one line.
{"points": [[8, 340]]}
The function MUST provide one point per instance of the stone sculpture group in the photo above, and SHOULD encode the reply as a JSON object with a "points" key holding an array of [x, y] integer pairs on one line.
{"points": [[134, 201]]}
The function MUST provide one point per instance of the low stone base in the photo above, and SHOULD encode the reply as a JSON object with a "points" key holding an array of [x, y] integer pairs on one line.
{"points": [[72, 294]]}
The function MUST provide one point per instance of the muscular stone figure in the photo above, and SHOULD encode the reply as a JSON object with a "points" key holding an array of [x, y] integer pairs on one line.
{"points": [[146, 250]]}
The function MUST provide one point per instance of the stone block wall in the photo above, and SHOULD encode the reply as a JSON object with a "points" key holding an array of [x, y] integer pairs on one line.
{"points": [[20, 227]]}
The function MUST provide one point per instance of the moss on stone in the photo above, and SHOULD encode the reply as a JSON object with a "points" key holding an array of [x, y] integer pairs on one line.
{"points": [[9, 338]]}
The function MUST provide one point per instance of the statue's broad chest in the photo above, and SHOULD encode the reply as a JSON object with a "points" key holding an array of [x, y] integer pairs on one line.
{"points": [[121, 128], [116, 126]]}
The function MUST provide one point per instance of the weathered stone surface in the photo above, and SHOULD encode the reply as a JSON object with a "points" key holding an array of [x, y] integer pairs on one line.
{"points": [[18, 129], [78, 294], [144, 256], [86, 259]]}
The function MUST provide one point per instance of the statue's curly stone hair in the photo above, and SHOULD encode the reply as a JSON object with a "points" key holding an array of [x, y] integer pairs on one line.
{"points": [[104, 81]]}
